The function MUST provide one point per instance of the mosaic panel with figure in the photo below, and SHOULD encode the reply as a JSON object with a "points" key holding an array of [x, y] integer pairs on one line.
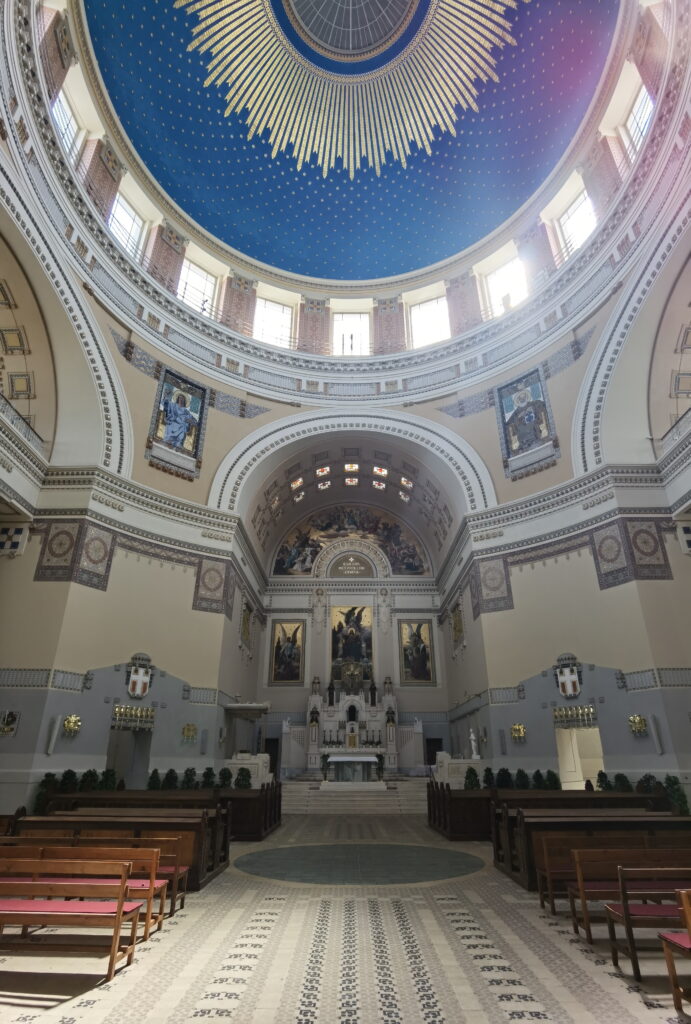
{"points": [[299, 549], [524, 414], [178, 417]]}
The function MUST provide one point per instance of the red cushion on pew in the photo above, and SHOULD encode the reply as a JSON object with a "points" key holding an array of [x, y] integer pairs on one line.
{"points": [[64, 906], [680, 939]]}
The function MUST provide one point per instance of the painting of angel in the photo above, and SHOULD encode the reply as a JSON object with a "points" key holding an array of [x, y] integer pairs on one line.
{"points": [[415, 642], [287, 654]]}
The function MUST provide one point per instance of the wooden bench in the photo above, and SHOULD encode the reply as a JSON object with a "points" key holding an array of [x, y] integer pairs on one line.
{"points": [[528, 823], [678, 944], [44, 894], [656, 884], [597, 878], [197, 848], [554, 865], [170, 864]]}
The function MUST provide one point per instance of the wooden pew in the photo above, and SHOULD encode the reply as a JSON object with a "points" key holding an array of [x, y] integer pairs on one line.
{"points": [[597, 878], [528, 822], [678, 944], [198, 850], [635, 884], [44, 894], [553, 856], [144, 862], [170, 864]]}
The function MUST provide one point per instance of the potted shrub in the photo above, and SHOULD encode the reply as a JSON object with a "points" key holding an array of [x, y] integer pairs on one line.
{"points": [[472, 779], [504, 779], [538, 780], [622, 783], [208, 778], [603, 783], [46, 787], [108, 780], [189, 779], [646, 783], [170, 779], [154, 780], [88, 781], [68, 781], [243, 779], [522, 779], [224, 778], [552, 780], [676, 793], [488, 778]]}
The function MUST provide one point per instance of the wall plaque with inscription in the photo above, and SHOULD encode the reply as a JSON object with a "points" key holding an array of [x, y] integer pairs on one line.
{"points": [[351, 566]]}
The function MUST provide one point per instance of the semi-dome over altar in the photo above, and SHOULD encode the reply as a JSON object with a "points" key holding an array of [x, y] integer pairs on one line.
{"points": [[350, 141]]}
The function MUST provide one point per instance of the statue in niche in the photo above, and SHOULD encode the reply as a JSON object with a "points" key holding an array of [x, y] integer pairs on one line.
{"points": [[373, 695], [331, 693], [390, 716]]}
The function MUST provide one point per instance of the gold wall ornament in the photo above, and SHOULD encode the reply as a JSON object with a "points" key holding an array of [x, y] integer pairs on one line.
{"points": [[638, 725], [71, 725], [353, 118], [518, 732], [189, 733]]}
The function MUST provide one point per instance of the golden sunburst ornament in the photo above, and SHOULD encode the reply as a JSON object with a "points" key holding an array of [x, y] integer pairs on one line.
{"points": [[344, 117]]}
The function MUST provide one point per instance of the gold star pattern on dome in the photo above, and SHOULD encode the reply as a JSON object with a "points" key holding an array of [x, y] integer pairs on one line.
{"points": [[351, 118]]}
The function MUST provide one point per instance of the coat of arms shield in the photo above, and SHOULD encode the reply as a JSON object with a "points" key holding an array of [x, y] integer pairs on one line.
{"points": [[569, 683], [139, 681]]}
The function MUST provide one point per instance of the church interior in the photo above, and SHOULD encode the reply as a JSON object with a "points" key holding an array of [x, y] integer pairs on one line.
{"points": [[345, 468]]}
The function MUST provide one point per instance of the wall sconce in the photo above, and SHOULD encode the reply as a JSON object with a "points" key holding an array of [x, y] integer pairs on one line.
{"points": [[71, 725], [518, 732], [638, 725]]}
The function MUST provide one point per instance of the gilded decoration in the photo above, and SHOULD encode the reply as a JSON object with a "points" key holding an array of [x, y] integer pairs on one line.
{"points": [[297, 553], [317, 112]]}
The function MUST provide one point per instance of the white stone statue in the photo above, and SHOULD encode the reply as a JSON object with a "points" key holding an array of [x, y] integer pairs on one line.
{"points": [[474, 752]]}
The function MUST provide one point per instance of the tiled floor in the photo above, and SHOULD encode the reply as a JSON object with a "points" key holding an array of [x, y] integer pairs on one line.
{"points": [[465, 948]]}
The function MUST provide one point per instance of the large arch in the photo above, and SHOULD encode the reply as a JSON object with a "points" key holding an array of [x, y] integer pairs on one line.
{"points": [[456, 461]]}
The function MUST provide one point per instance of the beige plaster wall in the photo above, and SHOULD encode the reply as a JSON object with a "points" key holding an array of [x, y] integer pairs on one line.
{"points": [[31, 614], [147, 607], [481, 430], [222, 431], [558, 607]]}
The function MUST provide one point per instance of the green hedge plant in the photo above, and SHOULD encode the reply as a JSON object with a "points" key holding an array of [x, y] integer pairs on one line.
{"points": [[472, 779], [522, 779]]}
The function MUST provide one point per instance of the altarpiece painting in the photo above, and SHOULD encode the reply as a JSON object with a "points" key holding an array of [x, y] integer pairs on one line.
{"points": [[415, 646], [288, 653]]}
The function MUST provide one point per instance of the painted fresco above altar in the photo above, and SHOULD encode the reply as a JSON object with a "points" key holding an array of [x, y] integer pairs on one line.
{"points": [[299, 549]]}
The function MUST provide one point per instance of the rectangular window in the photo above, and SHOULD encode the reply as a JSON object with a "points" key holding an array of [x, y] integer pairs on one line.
{"points": [[125, 225], [506, 287], [576, 224], [324, 485], [323, 471], [351, 334], [638, 122], [429, 322], [196, 287], [66, 125], [351, 481], [273, 323]]}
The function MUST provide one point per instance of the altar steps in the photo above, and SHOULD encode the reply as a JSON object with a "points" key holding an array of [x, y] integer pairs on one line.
{"points": [[402, 796]]}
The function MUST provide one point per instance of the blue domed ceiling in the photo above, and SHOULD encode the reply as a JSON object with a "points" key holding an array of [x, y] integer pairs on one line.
{"points": [[339, 139]]}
